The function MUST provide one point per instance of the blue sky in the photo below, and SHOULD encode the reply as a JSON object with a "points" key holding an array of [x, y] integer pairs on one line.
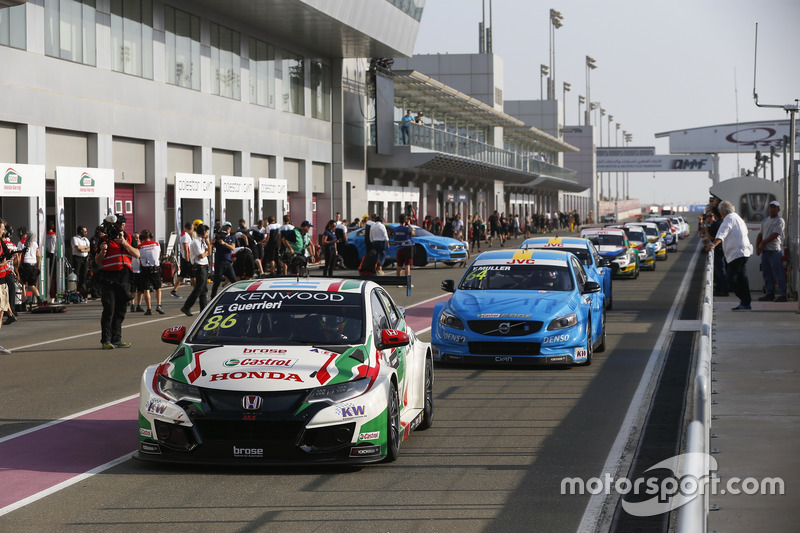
{"points": [[661, 65]]}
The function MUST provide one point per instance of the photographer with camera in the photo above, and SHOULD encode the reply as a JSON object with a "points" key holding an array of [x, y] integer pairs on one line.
{"points": [[199, 251], [223, 243], [116, 271]]}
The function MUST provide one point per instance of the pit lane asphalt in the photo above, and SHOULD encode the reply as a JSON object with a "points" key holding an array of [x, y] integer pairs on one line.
{"points": [[502, 441]]}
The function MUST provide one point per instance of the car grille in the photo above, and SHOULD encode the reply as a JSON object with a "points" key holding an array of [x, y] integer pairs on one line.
{"points": [[504, 348], [517, 328], [457, 255], [273, 402], [456, 247]]}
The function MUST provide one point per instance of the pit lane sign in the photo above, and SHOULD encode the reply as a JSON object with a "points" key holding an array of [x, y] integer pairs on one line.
{"points": [[654, 163]]}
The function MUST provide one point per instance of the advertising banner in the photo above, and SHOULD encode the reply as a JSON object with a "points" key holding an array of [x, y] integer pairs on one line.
{"points": [[236, 188], [272, 189], [729, 138], [197, 187], [656, 163], [28, 181]]}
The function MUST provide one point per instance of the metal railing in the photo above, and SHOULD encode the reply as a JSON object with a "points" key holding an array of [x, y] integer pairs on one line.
{"points": [[439, 140], [692, 517]]}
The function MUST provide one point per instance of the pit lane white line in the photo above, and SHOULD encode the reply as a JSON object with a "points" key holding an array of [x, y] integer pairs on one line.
{"points": [[62, 339], [621, 454]]}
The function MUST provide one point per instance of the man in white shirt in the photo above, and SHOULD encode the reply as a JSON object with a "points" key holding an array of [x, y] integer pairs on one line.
{"points": [[732, 234], [199, 251], [184, 267], [379, 238], [80, 258]]}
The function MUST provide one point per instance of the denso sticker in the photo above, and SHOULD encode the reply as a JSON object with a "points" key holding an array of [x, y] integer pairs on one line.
{"points": [[556, 338], [581, 353], [349, 411], [455, 338], [372, 435]]}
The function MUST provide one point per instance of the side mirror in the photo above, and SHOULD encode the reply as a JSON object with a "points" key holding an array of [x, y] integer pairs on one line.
{"points": [[392, 338], [449, 285], [590, 287], [402, 310], [173, 335], [605, 262]]}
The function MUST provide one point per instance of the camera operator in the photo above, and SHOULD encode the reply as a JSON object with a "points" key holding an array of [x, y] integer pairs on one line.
{"points": [[116, 271], [223, 243]]}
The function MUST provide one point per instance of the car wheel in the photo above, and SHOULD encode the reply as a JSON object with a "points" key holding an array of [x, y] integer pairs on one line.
{"points": [[393, 435], [350, 257], [427, 413], [602, 346], [420, 256]]}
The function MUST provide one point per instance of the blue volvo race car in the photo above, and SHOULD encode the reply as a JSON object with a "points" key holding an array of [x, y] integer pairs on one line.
{"points": [[637, 238], [597, 268], [428, 248], [520, 307]]}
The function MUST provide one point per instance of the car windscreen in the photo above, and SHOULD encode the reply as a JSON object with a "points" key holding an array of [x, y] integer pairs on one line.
{"points": [[282, 317], [517, 278], [581, 253], [606, 239], [635, 234]]}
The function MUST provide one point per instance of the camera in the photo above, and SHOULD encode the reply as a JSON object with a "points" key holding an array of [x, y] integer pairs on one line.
{"points": [[110, 228]]}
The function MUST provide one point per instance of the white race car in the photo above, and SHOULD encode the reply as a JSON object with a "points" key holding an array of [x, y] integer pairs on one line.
{"points": [[315, 370]]}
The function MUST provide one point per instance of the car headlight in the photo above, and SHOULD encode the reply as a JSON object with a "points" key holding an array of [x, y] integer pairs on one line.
{"points": [[177, 391], [451, 321], [339, 392], [437, 247], [563, 322]]}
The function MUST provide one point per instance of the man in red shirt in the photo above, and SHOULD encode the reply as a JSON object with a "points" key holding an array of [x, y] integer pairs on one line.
{"points": [[114, 258]]}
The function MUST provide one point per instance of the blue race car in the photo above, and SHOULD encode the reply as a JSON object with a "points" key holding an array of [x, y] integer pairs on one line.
{"points": [[428, 248], [597, 268], [520, 307]]}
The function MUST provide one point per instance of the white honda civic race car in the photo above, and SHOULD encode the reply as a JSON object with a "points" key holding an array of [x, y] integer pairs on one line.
{"points": [[286, 371]]}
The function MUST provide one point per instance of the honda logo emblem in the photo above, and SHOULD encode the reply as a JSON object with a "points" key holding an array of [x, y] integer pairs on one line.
{"points": [[252, 403]]}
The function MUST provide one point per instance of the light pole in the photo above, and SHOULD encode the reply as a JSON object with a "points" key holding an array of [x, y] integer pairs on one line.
{"points": [[581, 101], [555, 22], [590, 65], [628, 140], [610, 119], [616, 175], [567, 87], [543, 71]]}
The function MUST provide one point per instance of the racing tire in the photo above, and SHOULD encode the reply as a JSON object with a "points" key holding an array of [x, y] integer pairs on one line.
{"points": [[427, 412], [602, 346], [393, 431], [350, 257], [420, 256]]}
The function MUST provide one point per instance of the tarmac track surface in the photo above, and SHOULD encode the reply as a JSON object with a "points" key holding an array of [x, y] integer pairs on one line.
{"points": [[502, 441]]}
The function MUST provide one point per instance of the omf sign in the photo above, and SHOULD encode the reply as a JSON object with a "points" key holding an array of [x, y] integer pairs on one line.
{"points": [[654, 163]]}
